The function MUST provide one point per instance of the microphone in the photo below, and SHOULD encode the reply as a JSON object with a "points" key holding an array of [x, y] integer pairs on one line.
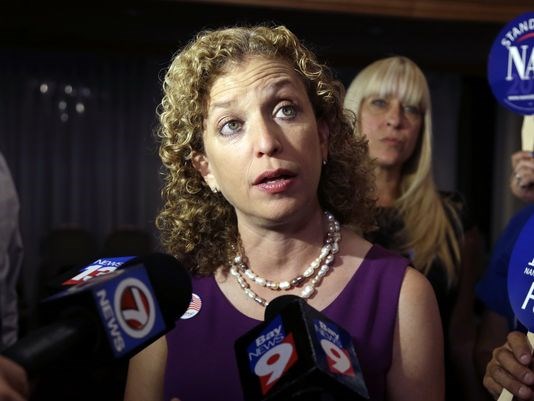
{"points": [[112, 316], [297, 353]]}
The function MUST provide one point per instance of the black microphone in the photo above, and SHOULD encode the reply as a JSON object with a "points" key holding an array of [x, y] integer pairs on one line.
{"points": [[109, 317], [297, 353]]}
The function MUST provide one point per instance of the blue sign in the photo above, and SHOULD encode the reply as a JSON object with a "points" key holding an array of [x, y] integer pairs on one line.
{"points": [[511, 65], [521, 276]]}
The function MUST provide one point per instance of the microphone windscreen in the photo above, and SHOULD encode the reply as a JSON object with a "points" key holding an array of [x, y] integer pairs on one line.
{"points": [[171, 283], [298, 353], [278, 304]]}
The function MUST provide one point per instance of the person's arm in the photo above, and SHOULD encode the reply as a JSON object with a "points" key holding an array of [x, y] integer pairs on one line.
{"points": [[522, 180], [11, 260], [146, 372], [509, 367], [14, 384], [417, 368], [10, 278]]}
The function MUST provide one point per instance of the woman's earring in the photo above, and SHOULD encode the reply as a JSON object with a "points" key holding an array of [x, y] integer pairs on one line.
{"points": [[324, 162], [214, 190]]}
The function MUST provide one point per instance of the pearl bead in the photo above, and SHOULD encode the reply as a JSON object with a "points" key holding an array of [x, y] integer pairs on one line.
{"points": [[308, 291], [284, 285], [259, 281], [296, 281]]}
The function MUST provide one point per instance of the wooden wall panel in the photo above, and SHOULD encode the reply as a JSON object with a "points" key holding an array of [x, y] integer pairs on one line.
{"points": [[455, 10]]}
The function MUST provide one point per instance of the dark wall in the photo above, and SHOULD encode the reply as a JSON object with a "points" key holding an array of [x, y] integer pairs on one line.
{"points": [[160, 27], [157, 29], [151, 32]]}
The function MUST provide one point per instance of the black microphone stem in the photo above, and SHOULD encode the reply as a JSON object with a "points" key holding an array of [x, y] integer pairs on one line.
{"points": [[50, 343]]}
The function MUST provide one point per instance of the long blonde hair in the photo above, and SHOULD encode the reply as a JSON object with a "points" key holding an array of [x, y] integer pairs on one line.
{"points": [[428, 229]]}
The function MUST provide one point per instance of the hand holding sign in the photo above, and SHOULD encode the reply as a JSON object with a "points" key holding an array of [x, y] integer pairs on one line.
{"points": [[522, 178], [521, 285], [511, 77]]}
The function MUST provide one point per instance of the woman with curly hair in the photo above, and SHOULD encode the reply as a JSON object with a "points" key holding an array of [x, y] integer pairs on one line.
{"points": [[391, 99], [266, 193]]}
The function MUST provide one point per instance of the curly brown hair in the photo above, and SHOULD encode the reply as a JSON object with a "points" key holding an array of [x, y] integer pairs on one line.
{"points": [[199, 226]]}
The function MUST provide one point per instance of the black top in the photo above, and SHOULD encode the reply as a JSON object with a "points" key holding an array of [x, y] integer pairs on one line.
{"points": [[388, 234]]}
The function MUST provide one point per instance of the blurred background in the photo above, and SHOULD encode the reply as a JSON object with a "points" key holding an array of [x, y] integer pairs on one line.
{"points": [[79, 85]]}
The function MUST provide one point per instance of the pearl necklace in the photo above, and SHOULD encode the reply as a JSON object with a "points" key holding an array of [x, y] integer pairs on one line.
{"points": [[318, 268]]}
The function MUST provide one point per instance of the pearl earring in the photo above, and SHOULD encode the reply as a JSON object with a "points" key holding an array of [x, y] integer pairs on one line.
{"points": [[324, 162]]}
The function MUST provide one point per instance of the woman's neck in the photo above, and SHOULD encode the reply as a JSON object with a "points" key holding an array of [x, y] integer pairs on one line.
{"points": [[387, 186], [286, 251]]}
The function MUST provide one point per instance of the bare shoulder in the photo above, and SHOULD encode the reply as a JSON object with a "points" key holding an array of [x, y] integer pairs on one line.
{"points": [[417, 302], [415, 284]]}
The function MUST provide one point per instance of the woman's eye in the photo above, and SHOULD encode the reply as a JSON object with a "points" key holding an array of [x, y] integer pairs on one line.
{"points": [[287, 111], [230, 127], [381, 103], [413, 110]]}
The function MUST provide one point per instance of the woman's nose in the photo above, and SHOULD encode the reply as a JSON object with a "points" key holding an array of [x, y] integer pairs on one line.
{"points": [[394, 115], [267, 137]]}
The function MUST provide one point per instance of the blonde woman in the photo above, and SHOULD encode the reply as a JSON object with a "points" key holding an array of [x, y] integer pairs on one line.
{"points": [[391, 99]]}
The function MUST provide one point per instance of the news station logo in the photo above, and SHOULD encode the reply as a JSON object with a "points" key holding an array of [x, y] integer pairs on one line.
{"points": [[98, 268], [271, 354], [135, 307], [335, 347], [511, 65], [128, 309]]}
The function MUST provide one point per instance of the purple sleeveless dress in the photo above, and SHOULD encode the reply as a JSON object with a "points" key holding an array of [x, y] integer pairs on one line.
{"points": [[201, 363]]}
